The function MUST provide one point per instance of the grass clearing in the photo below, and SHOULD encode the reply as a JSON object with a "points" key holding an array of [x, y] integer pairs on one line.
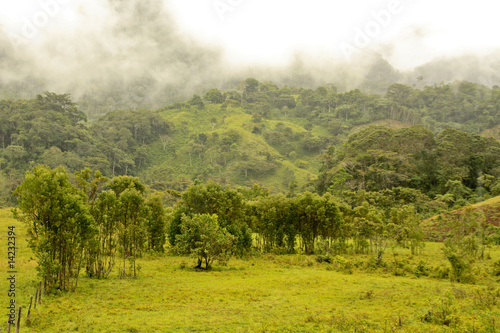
{"points": [[268, 293]]}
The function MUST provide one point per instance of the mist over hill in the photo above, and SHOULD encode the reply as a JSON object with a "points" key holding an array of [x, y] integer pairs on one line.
{"points": [[133, 54]]}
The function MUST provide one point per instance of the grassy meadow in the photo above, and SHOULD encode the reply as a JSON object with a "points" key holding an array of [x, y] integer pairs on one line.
{"points": [[265, 293]]}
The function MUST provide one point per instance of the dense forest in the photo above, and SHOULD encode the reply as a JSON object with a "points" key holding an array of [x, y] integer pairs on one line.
{"points": [[315, 140]]}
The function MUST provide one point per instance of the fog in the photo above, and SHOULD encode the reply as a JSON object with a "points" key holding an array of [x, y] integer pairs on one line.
{"points": [[117, 54]]}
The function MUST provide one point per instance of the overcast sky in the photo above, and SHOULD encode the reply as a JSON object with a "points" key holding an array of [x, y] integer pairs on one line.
{"points": [[413, 32], [406, 32]]}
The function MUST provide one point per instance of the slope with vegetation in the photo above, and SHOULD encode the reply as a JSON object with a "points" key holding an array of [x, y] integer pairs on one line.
{"points": [[258, 133]]}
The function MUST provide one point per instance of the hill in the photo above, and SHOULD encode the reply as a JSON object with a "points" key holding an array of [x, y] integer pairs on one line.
{"points": [[230, 145], [435, 229], [278, 137]]}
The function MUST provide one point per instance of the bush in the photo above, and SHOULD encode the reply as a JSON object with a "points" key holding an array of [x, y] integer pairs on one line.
{"points": [[422, 269], [343, 265], [442, 312], [461, 268], [375, 262], [441, 272], [203, 238]]}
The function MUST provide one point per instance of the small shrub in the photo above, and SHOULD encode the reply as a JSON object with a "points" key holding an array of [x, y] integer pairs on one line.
{"points": [[400, 268], [441, 272], [461, 266], [375, 262], [342, 264], [422, 269], [322, 247], [323, 258], [442, 312]]}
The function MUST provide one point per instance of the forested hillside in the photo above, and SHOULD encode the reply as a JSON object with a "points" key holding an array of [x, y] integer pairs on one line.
{"points": [[284, 138]]}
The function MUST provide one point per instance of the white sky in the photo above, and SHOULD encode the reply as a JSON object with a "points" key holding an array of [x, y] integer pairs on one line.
{"points": [[270, 31]]}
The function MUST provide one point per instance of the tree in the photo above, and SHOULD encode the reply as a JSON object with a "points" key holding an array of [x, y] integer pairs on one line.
{"points": [[102, 248], [338, 182], [275, 223], [131, 215], [59, 224], [317, 217], [214, 96], [16, 155], [465, 242], [228, 204], [197, 101], [121, 183], [400, 94], [404, 227], [251, 85], [203, 238], [368, 224], [155, 224], [165, 139]]}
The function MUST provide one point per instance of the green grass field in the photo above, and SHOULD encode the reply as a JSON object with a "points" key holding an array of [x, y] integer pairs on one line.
{"points": [[267, 293]]}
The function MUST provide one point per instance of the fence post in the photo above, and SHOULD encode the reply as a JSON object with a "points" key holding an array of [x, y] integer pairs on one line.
{"points": [[40, 294], [36, 298], [29, 308], [8, 327], [18, 326]]}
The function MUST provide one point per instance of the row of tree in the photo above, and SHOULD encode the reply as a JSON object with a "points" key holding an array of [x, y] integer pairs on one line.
{"points": [[86, 221], [362, 222], [73, 223]]}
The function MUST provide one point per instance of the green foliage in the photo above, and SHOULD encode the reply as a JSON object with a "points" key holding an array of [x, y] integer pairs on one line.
{"points": [[405, 228], [443, 311], [131, 215], [465, 243], [251, 85], [496, 268], [197, 102], [59, 224], [121, 183], [214, 96], [155, 224], [75, 225], [202, 237], [378, 159], [227, 203], [333, 297], [102, 248], [279, 220]]}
